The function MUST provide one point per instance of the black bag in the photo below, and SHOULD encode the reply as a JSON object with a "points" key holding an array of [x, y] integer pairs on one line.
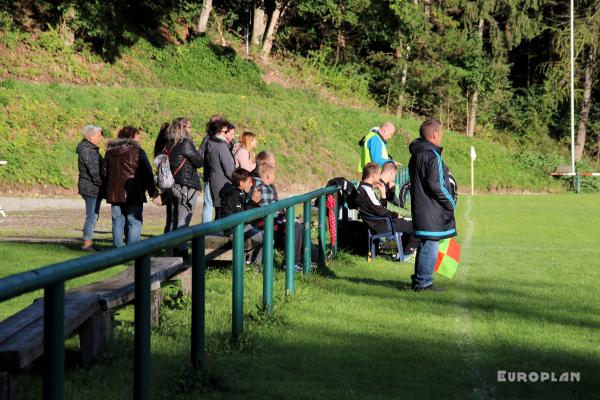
{"points": [[347, 193], [353, 237]]}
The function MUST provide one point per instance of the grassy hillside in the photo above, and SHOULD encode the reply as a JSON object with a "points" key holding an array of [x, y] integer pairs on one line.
{"points": [[314, 139]]}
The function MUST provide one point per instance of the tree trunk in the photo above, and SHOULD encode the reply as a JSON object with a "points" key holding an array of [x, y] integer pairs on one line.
{"points": [[473, 98], [259, 24], [586, 105], [271, 31], [400, 55], [340, 43], [427, 9], [473, 101], [204, 15]]}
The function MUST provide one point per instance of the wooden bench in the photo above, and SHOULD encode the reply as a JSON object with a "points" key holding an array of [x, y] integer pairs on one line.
{"points": [[89, 311]]}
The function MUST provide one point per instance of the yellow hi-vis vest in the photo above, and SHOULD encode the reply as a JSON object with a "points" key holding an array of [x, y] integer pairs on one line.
{"points": [[365, 155]]}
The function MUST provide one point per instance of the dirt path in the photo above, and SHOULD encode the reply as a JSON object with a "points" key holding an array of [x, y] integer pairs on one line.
{"points": [[43, 219]]}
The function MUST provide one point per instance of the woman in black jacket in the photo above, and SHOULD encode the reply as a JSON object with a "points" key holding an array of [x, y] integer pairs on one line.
{"points": [[184, 160], [90, 185]]}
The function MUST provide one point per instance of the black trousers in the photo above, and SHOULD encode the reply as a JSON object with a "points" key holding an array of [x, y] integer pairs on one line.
{"points": [[298, 240]]}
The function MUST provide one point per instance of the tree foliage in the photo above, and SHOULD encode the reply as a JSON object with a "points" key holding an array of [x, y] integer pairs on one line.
{"points": [[503, 64]]}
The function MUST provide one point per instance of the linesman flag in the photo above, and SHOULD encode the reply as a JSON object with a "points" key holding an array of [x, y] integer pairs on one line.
{"points": [[448, 257]]}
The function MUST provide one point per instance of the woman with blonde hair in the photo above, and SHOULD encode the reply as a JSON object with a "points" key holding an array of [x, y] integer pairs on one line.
{"points": [[243, 153]]}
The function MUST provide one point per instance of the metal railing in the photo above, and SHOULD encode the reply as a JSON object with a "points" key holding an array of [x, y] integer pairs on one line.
{"points": [[52, 279]]}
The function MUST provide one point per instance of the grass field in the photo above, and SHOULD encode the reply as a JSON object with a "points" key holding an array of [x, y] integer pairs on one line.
{"points": [[525, 299]]}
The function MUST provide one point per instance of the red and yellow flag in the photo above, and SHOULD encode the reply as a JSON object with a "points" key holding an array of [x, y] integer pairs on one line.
{"points": [[448, 257]]}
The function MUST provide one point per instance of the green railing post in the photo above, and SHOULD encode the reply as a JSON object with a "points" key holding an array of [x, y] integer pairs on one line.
{"points": [[198, 301], [307, 239], [237, 315], [322, 244], [268, 263], [290, 254], [141, 361], [54, 341]]}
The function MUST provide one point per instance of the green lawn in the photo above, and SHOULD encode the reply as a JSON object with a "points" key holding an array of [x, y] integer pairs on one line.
{"points": [[524, 300]]}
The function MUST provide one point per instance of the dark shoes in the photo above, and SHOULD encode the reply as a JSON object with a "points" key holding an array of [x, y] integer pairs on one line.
{"points": [[430, 288]]}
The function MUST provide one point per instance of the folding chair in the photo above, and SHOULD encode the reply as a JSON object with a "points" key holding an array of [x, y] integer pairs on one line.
{"points": [[389, 233]]}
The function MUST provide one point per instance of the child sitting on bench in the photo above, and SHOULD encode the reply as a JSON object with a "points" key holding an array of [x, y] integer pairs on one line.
{"points": [[236, 199]]}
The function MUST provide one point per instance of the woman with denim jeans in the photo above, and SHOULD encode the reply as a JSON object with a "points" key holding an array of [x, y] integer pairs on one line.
{"points": [[128, 177], [90, 185]]}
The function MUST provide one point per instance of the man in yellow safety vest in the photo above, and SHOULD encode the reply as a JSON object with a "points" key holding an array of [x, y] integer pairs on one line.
{"points": [[373, 147]]}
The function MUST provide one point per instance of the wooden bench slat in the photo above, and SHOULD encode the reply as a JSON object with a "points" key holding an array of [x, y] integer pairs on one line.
{"points": [[24, 346], [22, 335]]}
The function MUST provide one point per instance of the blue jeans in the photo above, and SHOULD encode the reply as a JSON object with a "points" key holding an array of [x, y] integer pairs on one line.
{"points": [[207, 209], [426, 257], [92, 211], [126, 216]]}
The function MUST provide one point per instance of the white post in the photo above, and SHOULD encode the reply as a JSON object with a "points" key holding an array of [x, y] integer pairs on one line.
{"points": [[2, 162], [473, 158], [472, 177], [572, 56]]}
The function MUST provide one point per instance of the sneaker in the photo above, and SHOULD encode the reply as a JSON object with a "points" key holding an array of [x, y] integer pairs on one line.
{"points": [[431, 288], [298, 268], [88, 249]]}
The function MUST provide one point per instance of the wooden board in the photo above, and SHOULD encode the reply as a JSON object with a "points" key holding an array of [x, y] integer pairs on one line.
{"points": [[20, 347], [120, 289], [22, 335]]}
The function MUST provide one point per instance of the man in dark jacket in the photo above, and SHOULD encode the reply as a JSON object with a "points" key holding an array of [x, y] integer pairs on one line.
{"points": [[219, 162], [236, 199], [432, 201], [90, 181], [129, 176]]}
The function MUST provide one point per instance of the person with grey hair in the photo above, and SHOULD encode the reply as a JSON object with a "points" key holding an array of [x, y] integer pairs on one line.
{"points": [[184, 160], [90, 183]]}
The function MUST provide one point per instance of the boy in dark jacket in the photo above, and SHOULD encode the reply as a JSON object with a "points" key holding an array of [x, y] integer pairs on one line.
{"points": [[432, 201], [368, 202], [236, 199]]}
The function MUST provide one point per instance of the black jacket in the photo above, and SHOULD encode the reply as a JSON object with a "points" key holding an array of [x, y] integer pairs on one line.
{"points": [[90, 164], [188, 174], [368, 202], [234, 200], [431, 195]]}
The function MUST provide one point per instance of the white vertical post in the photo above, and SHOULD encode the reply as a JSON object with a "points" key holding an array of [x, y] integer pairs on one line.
{"points": [[572, 56], [472, 177], [2, 162], [473, 158]]}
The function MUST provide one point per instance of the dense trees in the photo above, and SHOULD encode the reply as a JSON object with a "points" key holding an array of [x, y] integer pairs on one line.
{"points": [[478, 65]]}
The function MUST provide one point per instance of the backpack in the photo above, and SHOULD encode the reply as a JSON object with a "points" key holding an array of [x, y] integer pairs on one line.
{"points": [[347, 193], [164, 178]]}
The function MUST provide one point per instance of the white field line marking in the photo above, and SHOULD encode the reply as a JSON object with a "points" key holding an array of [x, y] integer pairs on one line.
{"points": [[469, 351]]}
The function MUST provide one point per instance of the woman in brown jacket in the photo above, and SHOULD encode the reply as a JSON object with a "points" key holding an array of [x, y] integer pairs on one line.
{"points": [[129, 176]]}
